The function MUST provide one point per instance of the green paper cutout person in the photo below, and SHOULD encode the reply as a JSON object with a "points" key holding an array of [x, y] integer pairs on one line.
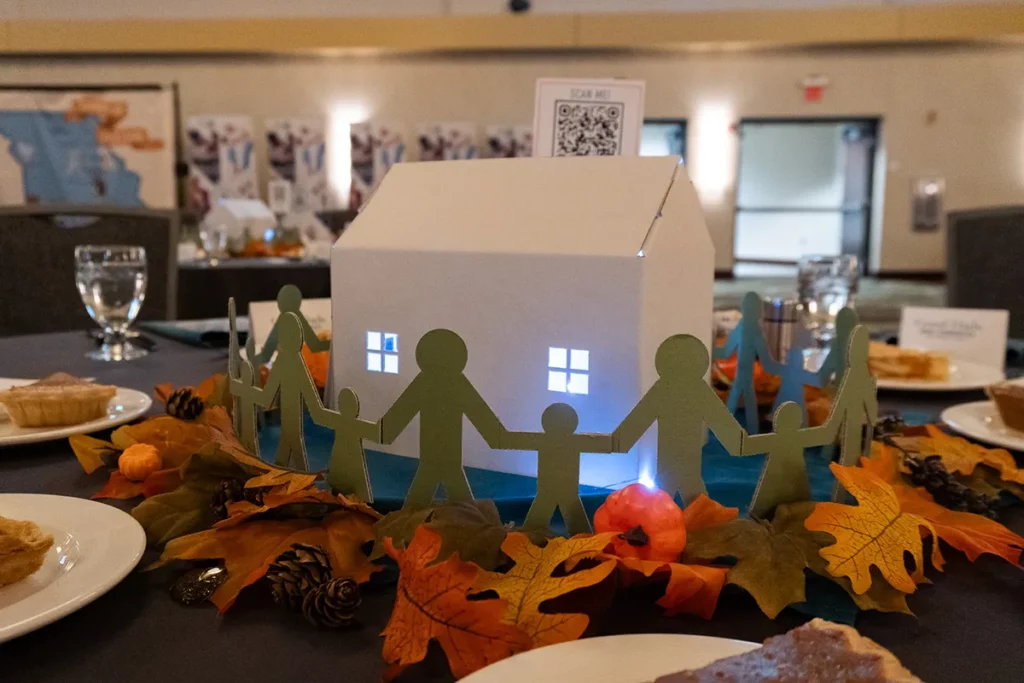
{"points": [[289, 300], [290, 379], [441, 395], [835, 363], [558, 450], [681, 402], [856, 400], [347, 472], [784, 476], [748, 343], [794, 378], [242, 389]]}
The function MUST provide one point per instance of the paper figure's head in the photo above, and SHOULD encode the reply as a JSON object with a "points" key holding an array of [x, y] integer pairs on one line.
{"points": [[245, 372], [683, 356], [788, 418], [289, 334], [441, 350], [289, 299], [751, 306], [559, 418], [348, 403], [859, 346], [846, 320]]}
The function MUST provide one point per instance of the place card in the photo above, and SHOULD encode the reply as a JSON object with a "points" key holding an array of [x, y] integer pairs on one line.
{"points": [[263, 315], [973, 334], [578, 118]]}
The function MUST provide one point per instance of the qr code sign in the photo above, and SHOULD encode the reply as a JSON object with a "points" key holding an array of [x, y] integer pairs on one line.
{"points": [[588, 128]]}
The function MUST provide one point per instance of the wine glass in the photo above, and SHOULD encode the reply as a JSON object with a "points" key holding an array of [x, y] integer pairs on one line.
{"points": [[111, 280], [826, 284]]}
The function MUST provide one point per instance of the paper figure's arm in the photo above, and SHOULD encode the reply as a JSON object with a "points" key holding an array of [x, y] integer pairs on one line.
{"points": [[480, 415], [721, 422], [811, 379], [521, 441], [365, 429], [594, 443], [269, 347], [401, 413], [817, 436], [312, 339], [757, 444], [764, 354], [320, 415], [828, 367], [263, 397], [773, 367], [636, 423], [731, 345]]}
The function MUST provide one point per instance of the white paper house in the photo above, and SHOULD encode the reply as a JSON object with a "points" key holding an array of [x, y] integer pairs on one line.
{"points": [[562, 275]]}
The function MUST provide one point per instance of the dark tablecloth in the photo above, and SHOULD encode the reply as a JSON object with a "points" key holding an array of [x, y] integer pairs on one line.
{"points": [[969, 624], [203, 290]]}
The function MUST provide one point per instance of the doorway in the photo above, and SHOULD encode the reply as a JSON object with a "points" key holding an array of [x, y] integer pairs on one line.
{"points": [[663, 137], [805, 186]]}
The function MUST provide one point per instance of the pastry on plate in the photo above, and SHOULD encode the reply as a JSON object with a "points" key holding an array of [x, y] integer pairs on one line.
{"points": [[817, 652], [57, 400], [23, 547], [892, 362], [1009, 400]]}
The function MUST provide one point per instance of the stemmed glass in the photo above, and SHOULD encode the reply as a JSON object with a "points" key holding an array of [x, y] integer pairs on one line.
{"points": [[825, 284], [111, 280]]}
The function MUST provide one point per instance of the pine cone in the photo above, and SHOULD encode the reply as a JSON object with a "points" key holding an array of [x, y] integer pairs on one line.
{"points": [[332, 604], [297, 572], [184, 404]]}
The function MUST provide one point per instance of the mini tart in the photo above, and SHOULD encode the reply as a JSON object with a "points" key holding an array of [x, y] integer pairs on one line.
{"points": [[1009, 400], [55, 405], [23, 547]]}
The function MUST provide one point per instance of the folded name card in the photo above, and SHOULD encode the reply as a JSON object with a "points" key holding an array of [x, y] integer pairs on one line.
{"points": [[972, 334], [263, 315]]}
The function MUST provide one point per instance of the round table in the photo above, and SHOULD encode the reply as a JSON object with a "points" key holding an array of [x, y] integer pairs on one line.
{"points": [[969, 624]]}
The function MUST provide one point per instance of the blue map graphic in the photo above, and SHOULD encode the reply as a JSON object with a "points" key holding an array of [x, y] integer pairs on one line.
{"points": [[62, 161]]}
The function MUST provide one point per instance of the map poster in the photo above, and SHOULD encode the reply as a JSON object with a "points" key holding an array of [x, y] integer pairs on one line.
{"points": [[221, 162], [71, 146], [297, 149]]}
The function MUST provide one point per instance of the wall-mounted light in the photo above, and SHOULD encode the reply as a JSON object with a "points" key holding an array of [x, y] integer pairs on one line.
{"points": [[927, 203]]}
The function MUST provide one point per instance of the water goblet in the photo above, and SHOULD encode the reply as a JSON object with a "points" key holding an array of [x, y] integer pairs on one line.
{"points": [[111, 280]]}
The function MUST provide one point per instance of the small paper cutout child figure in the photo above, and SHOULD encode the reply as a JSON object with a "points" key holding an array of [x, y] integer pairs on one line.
{"points": [[748, 343], [681, 402], [346, 472], [441, 395], [289, 300], [856, 401], [558, 467], [289, 378], [794, 378], [245, 407], [784, 476]]}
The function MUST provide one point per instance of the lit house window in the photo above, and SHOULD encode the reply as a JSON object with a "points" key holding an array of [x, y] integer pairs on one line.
{"points": [[382, 352], [568, 370]]}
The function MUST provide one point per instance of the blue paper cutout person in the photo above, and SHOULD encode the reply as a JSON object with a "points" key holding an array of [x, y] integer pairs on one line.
{"points": [[441, 395], [748, 343], [856, 404], [289, 380], [346, 472], [794, 378], [289, 300], [558, 450], [681, 402]]}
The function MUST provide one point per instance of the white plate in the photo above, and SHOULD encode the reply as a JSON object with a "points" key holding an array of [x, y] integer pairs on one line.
{"points": [[611, 659], [94, 547], [126, 405], [963, 376], [980, 420]]}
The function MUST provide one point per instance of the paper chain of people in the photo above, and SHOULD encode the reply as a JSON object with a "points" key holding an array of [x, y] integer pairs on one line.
{"points": [[681, 403]]}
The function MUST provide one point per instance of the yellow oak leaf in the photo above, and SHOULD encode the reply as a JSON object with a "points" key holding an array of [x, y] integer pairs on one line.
{"points": [[961, 456], [531, 582], [876, 532]]}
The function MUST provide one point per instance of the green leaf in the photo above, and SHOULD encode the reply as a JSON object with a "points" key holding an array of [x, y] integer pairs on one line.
{"points": [[472, 529], [212, 465], [177, 513]]}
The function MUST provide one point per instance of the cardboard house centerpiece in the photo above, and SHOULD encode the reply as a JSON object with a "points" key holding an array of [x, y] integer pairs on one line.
{"points": [[562, 275]]}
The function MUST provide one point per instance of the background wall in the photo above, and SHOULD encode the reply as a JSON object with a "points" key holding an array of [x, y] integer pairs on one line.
{"points": [[955, 112]]}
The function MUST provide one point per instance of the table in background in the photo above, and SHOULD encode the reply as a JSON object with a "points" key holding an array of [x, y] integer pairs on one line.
{"points": [[203, 289], [970, 625]]}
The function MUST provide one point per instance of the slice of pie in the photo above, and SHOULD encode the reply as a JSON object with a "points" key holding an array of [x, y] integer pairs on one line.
{"points": [[57, 400], [892, 362], [1009, 400], [23, 547], [817, 652]]}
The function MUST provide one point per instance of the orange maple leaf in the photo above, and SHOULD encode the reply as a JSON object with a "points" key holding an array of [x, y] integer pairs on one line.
{"points": [[971, 534], [875, 532], [242, 511], [691, 589], [175, 439], [247, 550], [961, 456], [531, 582], [704, 512], [432, 603], [119, 487]]}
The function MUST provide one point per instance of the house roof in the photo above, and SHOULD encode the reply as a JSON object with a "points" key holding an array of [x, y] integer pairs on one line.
{"points": [[590, 206]]}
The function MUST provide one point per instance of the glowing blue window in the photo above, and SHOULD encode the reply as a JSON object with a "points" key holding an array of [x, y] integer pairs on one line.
{"points": [[568, 370], [382, 352]]}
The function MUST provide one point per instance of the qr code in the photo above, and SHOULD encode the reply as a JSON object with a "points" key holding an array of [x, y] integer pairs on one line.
{"points": [[588, 128]]}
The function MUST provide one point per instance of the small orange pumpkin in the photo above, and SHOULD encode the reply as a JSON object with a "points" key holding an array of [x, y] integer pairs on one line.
{"points": [[138, 461], [650, 524]]}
